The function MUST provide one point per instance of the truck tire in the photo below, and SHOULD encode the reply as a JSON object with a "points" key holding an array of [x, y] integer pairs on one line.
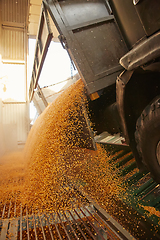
{"points": [[147, 137]]}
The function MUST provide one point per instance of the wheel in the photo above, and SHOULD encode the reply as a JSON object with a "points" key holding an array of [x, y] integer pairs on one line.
{"points": [[147, 136]]}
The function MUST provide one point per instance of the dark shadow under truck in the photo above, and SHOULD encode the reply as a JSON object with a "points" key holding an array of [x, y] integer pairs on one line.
{"points": [[115, 46]]}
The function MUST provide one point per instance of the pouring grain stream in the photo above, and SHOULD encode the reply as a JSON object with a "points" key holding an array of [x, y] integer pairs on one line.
{"points": [[52, 154]]}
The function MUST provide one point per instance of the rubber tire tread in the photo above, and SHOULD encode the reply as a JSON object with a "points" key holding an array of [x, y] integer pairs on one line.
{"points": [[147, 136]]}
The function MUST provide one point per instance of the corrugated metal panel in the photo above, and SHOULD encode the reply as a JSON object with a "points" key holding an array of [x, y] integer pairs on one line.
{"points": [[13, 44], [12, 84], [14, 11], [34, 12], [13, 34], [34, 15], [15, 115], [2, 146]]}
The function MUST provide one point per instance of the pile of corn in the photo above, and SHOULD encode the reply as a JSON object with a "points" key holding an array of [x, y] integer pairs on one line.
{"points": [[12, 176], [151, 211], [53, 155]]}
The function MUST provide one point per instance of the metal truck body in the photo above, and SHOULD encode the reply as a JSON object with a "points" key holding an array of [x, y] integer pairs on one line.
{"points": [[115, 47]]}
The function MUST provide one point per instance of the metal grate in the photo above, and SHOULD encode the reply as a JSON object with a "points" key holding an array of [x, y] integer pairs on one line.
{"points": [[80, 222]]}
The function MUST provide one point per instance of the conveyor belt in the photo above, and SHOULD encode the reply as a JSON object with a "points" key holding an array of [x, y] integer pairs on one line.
{"points": [[85, 221]]}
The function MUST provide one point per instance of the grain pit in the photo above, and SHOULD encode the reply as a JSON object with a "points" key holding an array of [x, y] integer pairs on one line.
{"points": [[12, 176], [39, 179], [53, 155]]}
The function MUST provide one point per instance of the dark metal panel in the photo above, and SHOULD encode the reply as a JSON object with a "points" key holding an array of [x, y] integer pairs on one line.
{"points": [[102, 46], [75, 11], [148, 12], [120, 93], [128, 20], [44, 38], [91, 36], [99, 84]]}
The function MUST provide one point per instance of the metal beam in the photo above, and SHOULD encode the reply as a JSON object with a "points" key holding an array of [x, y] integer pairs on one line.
{"points": [[44, 37]]}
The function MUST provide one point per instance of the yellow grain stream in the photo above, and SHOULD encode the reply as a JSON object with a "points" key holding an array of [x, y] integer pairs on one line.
{"points": [[52, 156]]}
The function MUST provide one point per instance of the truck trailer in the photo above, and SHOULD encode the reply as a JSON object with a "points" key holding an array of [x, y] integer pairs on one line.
{"points": [[115, 48]]}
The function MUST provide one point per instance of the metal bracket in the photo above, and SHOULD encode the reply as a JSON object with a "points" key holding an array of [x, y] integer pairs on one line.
{"points": [[135, 2], [64, 44]]}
